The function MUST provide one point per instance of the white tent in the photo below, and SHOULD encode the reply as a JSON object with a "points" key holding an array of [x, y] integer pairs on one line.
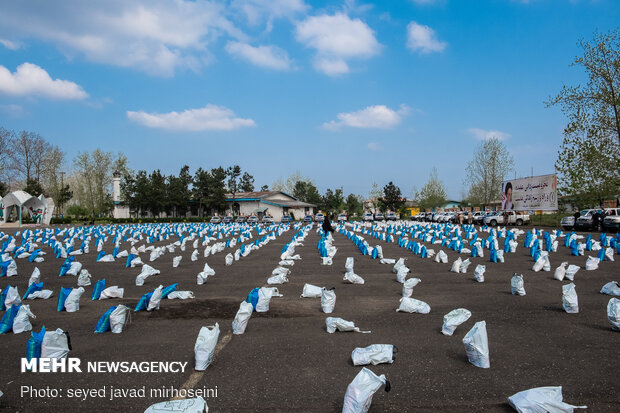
{"points": [[35, 207]]}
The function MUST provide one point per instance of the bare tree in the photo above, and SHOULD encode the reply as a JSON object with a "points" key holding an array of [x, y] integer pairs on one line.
{"points": [[95, 176], [6, 144], [487, 170], [28, 151]]}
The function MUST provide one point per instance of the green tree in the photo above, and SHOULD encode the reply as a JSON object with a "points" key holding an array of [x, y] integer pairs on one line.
{"points": [[306, 191], [33, 187], [392, 198], [588, 167], [374, 195], [333, 201], [246, 184], [595, 107], [487, 170], [354, 205], [433, 193], [264, 188], [157, 193], [179, 192]]}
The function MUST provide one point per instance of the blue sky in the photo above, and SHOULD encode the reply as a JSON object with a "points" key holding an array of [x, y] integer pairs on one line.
{"points": [[346, 93]]}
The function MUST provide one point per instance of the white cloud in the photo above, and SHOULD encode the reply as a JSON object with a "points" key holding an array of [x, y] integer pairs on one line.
{"points": [[423, 39], [30, 79], [9, 44], [378, 116], [154, 36], [271, 57], [336, 38], [211, 117], [257, 11], [483, 134], [374, 146]]}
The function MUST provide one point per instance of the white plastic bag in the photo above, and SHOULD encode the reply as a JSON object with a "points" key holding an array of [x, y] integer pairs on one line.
{"points": [[517, 285], [542, 263], [592, 263], [326, 261], [441, 257], [75, 268], [277, 279], [196, 405], [181, 295], [541, 400], [609, 254], [456, 265], [479, 273], [611, 288], [411, 305], [204, 274], [44, 294], [55, 345], [177, 260], [205, 346], [560, 272], [12, 297], [358, 397], [311, 291], [264, 297], [84, 279], [408, 286], [569, 299], [244, 313], [387, 261], [335, 323], [328, 300], [21, 322], [155, 300], [35, 277], [401, 275], [229, 259], [373, 354], [613, 313], [464, 265], [476, 344], [454, 319], [72, 303], [118, 318], [353, 278], [194, 256], [112, 292], [571, 271], [147, 271], [399, 265], [349, 264]]}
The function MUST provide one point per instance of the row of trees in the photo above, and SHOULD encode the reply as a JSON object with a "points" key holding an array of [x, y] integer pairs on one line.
{"points": [[200, 194]]}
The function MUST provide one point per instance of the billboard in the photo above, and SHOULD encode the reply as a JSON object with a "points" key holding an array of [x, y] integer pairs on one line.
{"points": [[536, 193]]}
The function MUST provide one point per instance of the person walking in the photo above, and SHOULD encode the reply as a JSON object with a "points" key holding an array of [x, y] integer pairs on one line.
{"points": [[327, 225]]}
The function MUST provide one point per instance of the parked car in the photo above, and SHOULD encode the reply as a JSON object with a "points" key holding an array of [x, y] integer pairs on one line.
{"points": [[379, 216], [612, 219], [342, 217], [241, 219], [267, 219], [308, 219], [419, 216], [227, 220], [368, 216], [391, 216], [568, 223], [319, 217], [586, 221], [497, 218], [479, 216], [286, 219], [252, 219], [215, 219]]}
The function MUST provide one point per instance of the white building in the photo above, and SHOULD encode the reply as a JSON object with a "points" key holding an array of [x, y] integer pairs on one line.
{"points": [[273, 203]]}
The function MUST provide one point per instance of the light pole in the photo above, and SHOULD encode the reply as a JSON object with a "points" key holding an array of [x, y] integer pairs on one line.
{"points": [[62, 188]]}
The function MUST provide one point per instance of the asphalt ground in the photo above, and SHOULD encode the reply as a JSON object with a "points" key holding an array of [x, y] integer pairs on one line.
{"points": [[287, 362]]}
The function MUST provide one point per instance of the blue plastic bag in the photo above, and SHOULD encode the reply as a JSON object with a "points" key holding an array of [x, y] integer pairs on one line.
{"points": [[168, 290], [6, 324], [66, 265], [253, 298], [62, 297], [99, 286], [144, 302], [32, 288], [103, 324], [33, 348]]}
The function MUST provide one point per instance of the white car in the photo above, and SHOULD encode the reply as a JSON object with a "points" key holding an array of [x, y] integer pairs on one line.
{"points": [[368, 216], [612, 219]]}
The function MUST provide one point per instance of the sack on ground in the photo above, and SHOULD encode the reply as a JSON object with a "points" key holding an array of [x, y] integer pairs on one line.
{"points": [[477, 345], [411, 305], [242, 318], [454, 319], [541, 399], [373, 354], [335, 323], [311, 291], [328, 300], [205, 346], [358, 397], [517, 285], [570, 302]]}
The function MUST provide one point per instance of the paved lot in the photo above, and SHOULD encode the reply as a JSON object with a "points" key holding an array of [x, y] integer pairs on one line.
{"points": [[287, 362]]}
